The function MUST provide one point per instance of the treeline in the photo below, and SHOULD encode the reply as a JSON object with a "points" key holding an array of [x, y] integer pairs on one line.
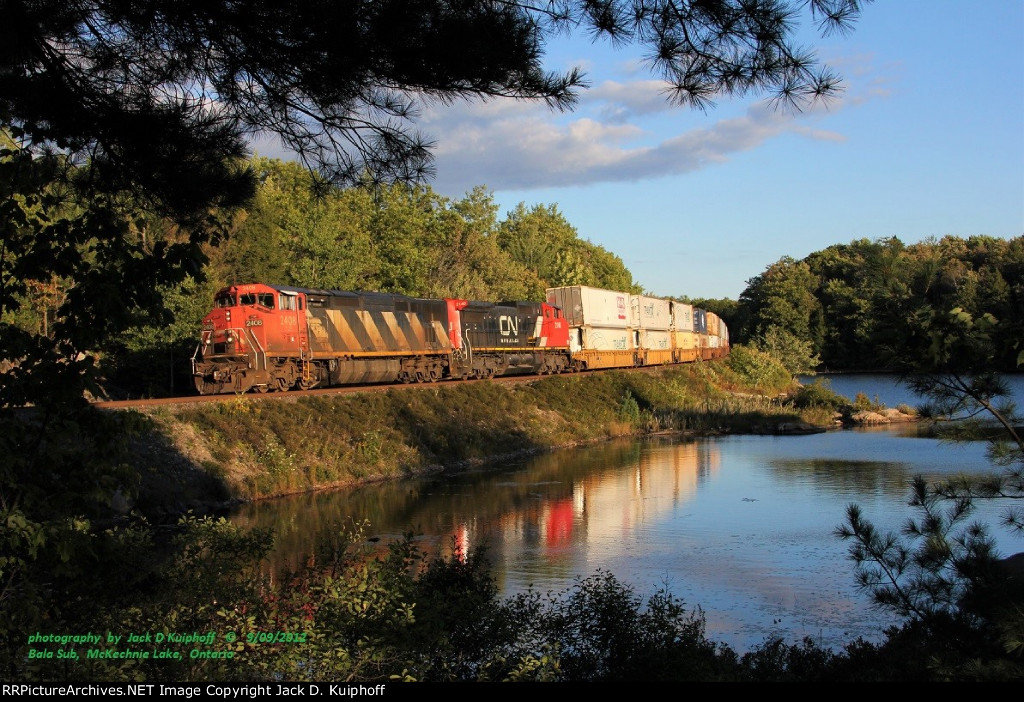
{"points": [[399, 238], [866, 305]]}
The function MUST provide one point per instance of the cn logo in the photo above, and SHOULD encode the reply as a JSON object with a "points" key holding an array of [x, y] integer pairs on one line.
{"points": [[509, 326]]}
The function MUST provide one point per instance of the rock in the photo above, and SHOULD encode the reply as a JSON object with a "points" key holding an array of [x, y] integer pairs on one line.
{"points": [[869, 417], [894, 415]]}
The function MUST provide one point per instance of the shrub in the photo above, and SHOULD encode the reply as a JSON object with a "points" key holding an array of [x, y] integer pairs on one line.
{"points": [[819, 395], [758, 369]]}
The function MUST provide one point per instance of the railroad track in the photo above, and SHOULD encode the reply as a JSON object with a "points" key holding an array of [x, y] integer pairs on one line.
{"points": [[339, 390], [315, 392]]}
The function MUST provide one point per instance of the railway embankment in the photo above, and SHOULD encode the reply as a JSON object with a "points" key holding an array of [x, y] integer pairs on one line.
{"points": [[200, 457]]}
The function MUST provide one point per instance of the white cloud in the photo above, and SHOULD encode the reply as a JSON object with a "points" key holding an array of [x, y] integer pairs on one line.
{"points": [[620, 131], [617, 134], [617, 102], [820, 134]]}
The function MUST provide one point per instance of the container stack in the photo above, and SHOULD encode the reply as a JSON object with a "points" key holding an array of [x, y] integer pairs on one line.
{"points": [[655, 328], [609, 329], [602, 325]]}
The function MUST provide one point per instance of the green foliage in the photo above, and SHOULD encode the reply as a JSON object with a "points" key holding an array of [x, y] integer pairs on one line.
{"points": [[877, 298], [543, 241], [601, 630], [787, 348], [402, 238], [151, 356], [629, 410], [864, 305], [65, 477], [819, 394], [777, 661], [862, 402], [363, 613], [91, 253], [758, 369], [935, 574], [781, 298]]}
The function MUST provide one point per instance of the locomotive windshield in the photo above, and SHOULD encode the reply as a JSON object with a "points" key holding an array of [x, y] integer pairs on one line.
{"points": [[264, 299], [224, 301]]}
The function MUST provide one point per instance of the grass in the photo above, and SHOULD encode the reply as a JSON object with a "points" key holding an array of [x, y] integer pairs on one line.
{"points": [[260, 448]]}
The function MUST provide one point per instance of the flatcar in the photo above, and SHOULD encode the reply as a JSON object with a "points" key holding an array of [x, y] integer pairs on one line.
{"points": [[265, 338]]}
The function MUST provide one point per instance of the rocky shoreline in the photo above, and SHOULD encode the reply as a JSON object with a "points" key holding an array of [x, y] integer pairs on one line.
{"points": [[873, 417]]}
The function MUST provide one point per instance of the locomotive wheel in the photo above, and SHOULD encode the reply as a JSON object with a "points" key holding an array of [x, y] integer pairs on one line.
{"points": [[208, 388]]}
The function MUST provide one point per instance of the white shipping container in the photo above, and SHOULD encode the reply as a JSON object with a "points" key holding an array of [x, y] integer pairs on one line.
{"points": [[595, 307], [713, 342], [607, 339], [682, 317], [653, 312], [656, 339]]}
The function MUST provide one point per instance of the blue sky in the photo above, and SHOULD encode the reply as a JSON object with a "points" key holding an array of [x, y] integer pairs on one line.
{"points": [[926, 140]]}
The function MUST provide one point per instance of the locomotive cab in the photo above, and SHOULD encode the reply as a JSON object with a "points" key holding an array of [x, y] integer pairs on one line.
{"points": [[554, 327], [508, 338], [250, 340]]}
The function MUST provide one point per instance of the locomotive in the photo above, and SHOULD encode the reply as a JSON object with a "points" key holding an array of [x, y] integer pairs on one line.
{"points": [[273, 338]]}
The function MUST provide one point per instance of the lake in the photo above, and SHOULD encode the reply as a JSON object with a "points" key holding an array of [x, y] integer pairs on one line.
{"points": [[741, 526]]}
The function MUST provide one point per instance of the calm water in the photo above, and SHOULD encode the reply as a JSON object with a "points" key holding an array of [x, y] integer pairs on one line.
{"points": [[883, 388], [740, 526]]}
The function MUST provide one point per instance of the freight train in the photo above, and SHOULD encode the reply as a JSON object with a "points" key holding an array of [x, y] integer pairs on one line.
{"points": [[273, 338]]}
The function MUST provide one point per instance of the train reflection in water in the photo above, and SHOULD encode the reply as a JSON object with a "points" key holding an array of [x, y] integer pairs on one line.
{"points": [[549, 515]]}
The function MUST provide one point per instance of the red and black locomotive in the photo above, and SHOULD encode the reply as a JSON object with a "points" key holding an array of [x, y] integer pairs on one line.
{"points": [[266, 337]]}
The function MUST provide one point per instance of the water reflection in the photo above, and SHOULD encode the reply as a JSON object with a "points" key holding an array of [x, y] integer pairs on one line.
{"points": [[741, 526]]}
